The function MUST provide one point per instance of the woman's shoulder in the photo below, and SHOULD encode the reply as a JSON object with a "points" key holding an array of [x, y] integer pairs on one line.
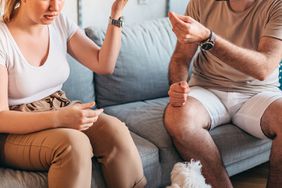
{"points": [[4, 35], [62, 21], [65, 26], [2, 26]]}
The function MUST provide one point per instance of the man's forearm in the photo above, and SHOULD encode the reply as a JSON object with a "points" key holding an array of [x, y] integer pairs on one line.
{"points": [[178, 71], [180, 62], [253, 63]]}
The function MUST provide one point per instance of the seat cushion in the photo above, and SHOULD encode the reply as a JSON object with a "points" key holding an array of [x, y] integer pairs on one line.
{"points": [[22, 179], [142, 65], [146, 119]]}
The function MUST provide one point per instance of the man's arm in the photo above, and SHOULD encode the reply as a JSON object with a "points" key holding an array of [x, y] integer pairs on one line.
{"points": [[178, 73], [258, 64], [180, 62]]}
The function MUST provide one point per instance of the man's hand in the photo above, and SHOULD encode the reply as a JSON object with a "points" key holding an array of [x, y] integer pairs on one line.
{"points": [[178, 93], [78, 116], [188, 30]]}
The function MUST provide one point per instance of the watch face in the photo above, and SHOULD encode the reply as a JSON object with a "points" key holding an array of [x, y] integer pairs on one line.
{"points": [[118, 22], [207, 45]]}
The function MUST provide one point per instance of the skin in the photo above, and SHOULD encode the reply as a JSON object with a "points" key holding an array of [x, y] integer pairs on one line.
{"points": [[28, 26], [187, 130]]}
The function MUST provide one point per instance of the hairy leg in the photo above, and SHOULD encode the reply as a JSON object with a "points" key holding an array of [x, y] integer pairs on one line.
{"points": [[271, 123], [188, 126]]}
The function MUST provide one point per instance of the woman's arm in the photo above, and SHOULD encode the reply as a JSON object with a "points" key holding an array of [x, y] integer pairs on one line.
{"points": [[18, 122], [100, 60], [78, 116]]}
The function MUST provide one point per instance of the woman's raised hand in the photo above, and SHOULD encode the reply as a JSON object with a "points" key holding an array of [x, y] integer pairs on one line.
{"points": [[78, 116], [117, 8]]}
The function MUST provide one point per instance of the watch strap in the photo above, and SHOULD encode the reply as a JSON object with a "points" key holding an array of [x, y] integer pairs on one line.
{"points": [[208, 43], [119, 22]]}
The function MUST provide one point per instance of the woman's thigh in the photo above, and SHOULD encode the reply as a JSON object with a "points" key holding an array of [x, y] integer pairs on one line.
{"points": [[36, 151]]}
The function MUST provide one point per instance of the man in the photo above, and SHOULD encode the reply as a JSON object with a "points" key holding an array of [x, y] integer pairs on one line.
{"points": [[235, 78]]}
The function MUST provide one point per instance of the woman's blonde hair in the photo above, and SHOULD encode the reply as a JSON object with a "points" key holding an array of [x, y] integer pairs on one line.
{"points": [[9, 9]]}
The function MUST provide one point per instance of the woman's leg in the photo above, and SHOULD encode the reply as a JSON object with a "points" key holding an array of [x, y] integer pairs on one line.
{"points": [[66, 153], [116, 151]]}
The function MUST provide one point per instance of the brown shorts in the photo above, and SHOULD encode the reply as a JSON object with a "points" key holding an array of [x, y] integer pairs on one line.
{"points": [[52, 102]]}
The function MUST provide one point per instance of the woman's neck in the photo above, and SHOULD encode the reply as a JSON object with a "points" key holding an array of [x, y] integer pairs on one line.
{"points": [[23, 23]]}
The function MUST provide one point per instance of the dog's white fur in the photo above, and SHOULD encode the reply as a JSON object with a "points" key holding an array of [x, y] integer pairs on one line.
{"points": [[188, 175]]}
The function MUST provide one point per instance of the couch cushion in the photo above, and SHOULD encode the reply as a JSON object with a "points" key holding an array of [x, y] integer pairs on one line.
{"points": [[146, 119], [22, 179], [141, 69], [280, 75], [79, 85]]}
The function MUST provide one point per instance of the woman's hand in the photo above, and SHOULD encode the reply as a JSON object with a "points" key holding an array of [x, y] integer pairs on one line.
{"points": [[78, 116], [188, 30], [178, 93], [117, 8]]}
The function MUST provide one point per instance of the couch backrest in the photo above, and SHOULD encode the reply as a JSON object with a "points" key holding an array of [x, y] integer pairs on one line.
{"points": [[142, 66], [79, 85]]}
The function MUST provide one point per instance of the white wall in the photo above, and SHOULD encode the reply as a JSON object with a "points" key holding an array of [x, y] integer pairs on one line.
{"points": [[70, 9], [97, 12], [178, 6]]}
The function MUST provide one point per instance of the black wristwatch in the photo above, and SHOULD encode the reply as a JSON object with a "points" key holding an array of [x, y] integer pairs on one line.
{"points": [[208, 44], [118, 22]]}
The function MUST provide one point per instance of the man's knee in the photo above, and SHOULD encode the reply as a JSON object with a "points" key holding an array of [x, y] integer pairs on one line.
{"points": [[181, 120], [271, 122]]}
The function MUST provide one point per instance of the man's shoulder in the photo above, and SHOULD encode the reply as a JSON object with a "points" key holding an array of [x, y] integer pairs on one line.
{"points": [[272, 3]]}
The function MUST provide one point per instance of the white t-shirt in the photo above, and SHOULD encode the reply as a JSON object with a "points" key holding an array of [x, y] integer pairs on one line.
{"points": [[28, 83]]}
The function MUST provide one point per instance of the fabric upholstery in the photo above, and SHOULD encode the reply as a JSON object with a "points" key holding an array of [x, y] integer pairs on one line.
{"points": [[79, 85], [146, 119], [280, 75], [141, 69]]}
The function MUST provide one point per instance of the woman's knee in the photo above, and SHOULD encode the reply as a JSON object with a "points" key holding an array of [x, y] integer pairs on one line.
{"points": [[114, 135], [72, 144], [113, 127]]}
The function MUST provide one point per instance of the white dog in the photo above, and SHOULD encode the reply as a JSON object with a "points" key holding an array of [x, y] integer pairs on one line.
{"points": [[188, 175]]}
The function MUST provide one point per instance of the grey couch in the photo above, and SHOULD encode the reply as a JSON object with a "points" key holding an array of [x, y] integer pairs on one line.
{"points": [[137, 94]]}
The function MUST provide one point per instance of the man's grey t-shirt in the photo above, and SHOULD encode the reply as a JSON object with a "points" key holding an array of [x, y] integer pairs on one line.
{"points": [[244, 29]]}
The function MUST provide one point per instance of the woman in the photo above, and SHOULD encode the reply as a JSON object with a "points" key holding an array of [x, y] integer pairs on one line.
{"points": [[42, 129]]}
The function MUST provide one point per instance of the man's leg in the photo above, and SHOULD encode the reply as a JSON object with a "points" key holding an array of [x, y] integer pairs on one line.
{"points": [[188, 126], [261, 116], [271, 124]]}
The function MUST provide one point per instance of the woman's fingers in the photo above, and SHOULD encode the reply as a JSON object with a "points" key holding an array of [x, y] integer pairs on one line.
{"points": [[93, 113], [85, 126]]}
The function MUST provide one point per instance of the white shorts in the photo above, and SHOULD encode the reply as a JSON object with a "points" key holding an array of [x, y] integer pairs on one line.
{"points": [[242, 109]]}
